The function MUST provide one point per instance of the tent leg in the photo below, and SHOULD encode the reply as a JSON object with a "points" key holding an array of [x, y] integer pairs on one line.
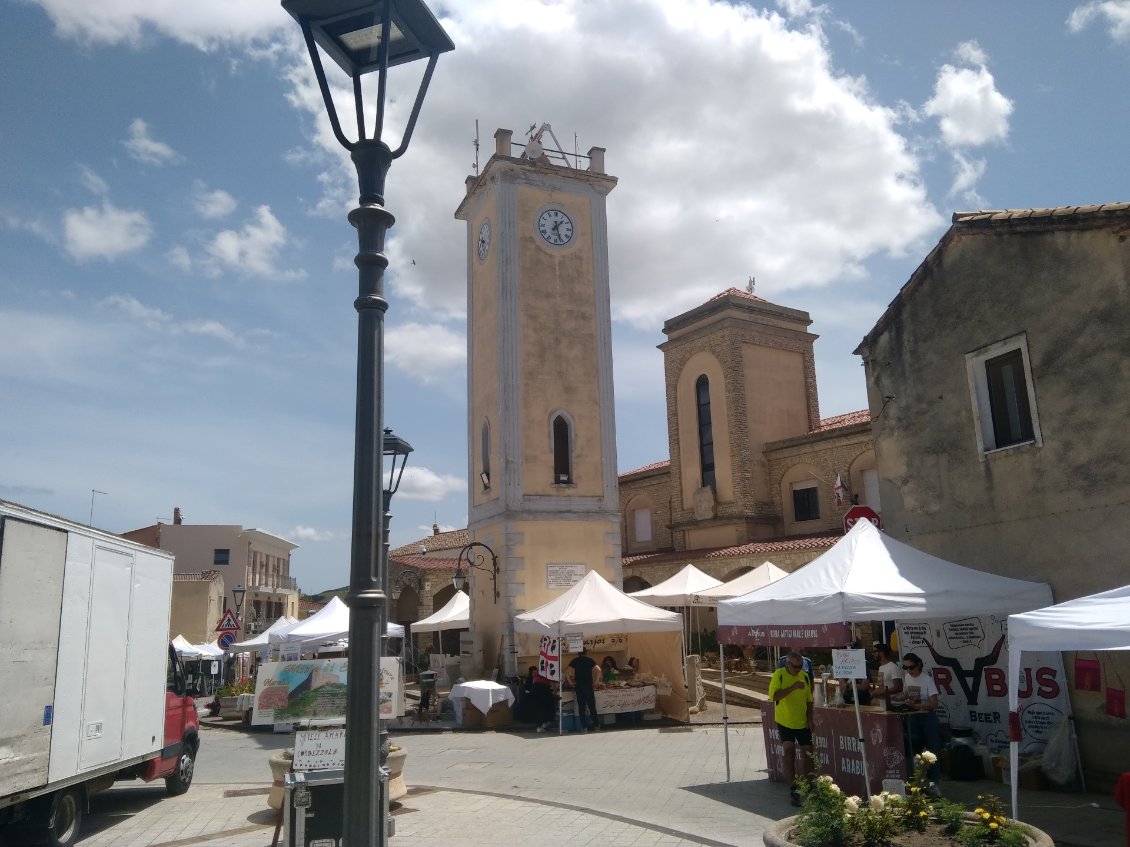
{"points": [[1078, 758], [725, 717]]}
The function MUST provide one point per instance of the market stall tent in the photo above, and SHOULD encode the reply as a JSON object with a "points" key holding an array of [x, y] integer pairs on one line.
{"points": [[679, 590], [263, 639], [184, 649], [868, 576], [595, 607], [330, 623], [455, 614], [1095, 622], [759, 577]]}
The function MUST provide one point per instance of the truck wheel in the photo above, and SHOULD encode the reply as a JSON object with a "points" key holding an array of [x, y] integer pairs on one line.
{"points": [[66, 818], [178, 781]]}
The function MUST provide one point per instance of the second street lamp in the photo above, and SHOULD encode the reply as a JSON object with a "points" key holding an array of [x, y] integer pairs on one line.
{"points": [[361, 38]]}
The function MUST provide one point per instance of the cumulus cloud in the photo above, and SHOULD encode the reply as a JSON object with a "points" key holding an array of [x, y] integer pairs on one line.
{"points": [[212, 204], [1114, 13], [143, 147], [179, 257], [104, 232], [155, 319], [253, 250], [426, 351], [423, 484], [309, 534], [969, 108]]}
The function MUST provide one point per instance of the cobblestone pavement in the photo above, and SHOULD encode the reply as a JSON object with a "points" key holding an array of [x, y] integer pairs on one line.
{"points": [[640, 787]]}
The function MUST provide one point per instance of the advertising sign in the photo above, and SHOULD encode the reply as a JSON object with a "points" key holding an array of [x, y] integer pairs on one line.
{"points": [[319, 749], [314, 689], [849, 664]]}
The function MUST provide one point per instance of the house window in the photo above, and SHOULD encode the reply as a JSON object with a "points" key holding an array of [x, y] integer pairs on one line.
{"points": [[641, 524], [806, 501], [1004, 403], [871, 488], [484, 475], [221, 556], [562, 453], [705, 432]]}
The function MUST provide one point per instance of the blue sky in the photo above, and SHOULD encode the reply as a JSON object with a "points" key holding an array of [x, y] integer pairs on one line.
{"points": [[176, 319]]}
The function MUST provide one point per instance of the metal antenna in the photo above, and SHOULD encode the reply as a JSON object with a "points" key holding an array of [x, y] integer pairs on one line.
{"points": [[476, 146], [93, 491]]}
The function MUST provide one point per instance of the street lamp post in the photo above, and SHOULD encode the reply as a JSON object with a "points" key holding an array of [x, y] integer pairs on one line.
{"points": [[237, 595], [363, 37], [459, 578]]}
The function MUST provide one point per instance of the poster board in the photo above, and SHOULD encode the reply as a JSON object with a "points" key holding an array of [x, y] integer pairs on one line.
{"points": [[315, 689]]}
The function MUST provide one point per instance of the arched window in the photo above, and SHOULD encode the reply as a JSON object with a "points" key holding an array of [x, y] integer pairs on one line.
{"points": [[484, 473], [562, 452], [705, 432]]}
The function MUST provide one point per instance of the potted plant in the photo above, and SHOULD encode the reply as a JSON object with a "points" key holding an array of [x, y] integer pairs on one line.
{"points": [[829, 818], [228, 697]]}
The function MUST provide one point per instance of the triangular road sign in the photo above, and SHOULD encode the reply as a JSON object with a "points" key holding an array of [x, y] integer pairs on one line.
{"points": [[227, 623]]}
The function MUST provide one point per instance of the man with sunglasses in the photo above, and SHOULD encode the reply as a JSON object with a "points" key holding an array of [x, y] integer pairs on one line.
{"points": [[790, 689], [920, 694]]}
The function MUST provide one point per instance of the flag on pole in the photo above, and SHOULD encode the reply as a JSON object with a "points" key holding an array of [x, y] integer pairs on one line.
{"points": [[838, 492]]}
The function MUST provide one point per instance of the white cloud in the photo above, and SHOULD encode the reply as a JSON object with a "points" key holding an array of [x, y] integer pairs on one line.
{"points": [[106, 232], [969, 108], [93, 182], [253, 250], [179, 258], [967, 173], [157, 320], [426, 351], [310, 534], [422, 484], [212, 204], [205, 24], [1114, 13], [143, 147]]}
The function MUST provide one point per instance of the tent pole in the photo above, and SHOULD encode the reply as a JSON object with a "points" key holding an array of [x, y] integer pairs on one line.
{"points": [[859, 737], [725, 718]]}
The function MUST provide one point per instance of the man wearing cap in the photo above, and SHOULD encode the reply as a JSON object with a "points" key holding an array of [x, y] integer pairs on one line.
{"points": [[790, 689]]}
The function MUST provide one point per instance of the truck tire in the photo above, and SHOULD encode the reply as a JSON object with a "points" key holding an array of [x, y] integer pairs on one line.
{"points": [[178, 781], [65, 817]]}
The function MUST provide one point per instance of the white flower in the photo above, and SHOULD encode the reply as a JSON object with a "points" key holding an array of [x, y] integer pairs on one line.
{"points": [[835, 789], [877, 803], [825, 779], [927, 757], [852, 804]]}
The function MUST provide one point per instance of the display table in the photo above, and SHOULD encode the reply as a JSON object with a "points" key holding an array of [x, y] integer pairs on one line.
{"points": [[490, 698], [835, 744]]}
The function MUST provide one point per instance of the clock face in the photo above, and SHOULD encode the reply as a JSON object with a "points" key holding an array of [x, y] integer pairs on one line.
{"points": [[555, 227], [483, 245]]}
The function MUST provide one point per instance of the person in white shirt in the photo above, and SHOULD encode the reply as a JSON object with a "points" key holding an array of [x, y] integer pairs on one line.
{"points": [[920, 694], [890, 677]]}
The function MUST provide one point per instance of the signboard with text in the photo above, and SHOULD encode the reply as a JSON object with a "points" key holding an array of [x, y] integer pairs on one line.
{"points": [[563, 574], [800, 635]]}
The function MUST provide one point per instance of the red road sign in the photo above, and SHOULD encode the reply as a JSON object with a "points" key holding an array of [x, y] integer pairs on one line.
{"points": [[228, 623], [861, 513]]}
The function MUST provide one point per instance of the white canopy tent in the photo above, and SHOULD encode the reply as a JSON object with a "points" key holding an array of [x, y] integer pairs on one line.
{"points": [[455, 614], [210, 650], [1095, 622], [759, 577], [184, 649], [262, 640], [679, 590], [595, 607], [868, 576], [330, 623]]}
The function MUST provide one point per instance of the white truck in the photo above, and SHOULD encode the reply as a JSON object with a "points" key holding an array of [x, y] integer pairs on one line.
{"points": [[92, 691]]}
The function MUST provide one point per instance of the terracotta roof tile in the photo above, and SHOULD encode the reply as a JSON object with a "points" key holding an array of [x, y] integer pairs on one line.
{"points": [[654, 466], [822, 541], [847, 419], [424, 563], [452, 540]]}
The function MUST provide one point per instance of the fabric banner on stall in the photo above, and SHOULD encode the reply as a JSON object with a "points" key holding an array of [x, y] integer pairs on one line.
{"points": [[549, 658], [804, 635], [968, 659]]}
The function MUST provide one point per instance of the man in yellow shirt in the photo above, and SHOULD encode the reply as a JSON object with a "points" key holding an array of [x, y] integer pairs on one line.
{"points": [[790, 689]]}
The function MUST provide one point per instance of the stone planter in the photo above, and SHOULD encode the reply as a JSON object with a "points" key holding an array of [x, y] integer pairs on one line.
{"points": [[280, 764], [397, 787], [778, 834]]}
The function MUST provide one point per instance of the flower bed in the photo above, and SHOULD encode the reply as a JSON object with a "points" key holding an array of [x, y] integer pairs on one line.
{"points": [[829, 818]]}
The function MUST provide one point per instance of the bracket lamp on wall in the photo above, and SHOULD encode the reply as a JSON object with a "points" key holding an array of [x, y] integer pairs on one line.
{"points": [[479, 562]]}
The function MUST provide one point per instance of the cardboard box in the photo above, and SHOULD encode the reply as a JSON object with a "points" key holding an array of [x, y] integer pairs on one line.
{"points": [[499, 715]]}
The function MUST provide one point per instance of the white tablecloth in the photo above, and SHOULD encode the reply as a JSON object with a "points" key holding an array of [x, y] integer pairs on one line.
{"points": [[482, 693]]}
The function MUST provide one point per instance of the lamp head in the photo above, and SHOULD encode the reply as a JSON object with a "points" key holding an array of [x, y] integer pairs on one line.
{"points": [[237, 594], [458, 579], [396, 449], [350, 31]]}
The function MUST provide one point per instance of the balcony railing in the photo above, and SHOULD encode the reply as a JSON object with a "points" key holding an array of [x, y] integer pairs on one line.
{"points": [[273, 582]]}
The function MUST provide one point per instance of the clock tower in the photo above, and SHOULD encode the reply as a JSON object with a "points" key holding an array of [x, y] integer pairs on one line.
{"points": [[541, 423]]}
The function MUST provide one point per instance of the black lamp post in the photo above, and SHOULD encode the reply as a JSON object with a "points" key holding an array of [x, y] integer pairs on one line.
{"points": [[237, 594], [459, 578], [364, 37]]}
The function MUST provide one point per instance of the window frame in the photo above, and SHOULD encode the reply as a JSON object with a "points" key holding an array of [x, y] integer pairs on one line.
{"points": [[806, 486], [976, 368], [216, 551], [704, 432], [562, 448]]}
